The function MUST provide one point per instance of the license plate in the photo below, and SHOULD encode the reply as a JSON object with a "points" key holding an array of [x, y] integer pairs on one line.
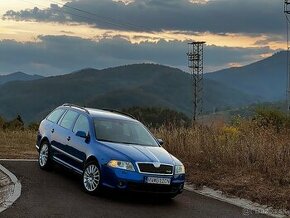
{"points": [[156, 180]]}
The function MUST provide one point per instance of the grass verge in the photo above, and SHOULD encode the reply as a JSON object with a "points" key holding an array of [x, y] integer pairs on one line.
{"points": [[18, 144], [246, 160]]}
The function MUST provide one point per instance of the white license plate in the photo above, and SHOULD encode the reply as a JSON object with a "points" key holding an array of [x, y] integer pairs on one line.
{"points": [[156, 180]]}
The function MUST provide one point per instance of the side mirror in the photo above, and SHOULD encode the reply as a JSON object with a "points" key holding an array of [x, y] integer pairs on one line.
{"points": [[84, 135], [160, 141], [81, 134]]}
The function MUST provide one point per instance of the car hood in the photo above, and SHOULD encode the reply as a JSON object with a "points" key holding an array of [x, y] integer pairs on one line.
{"points": [[139, 153]]}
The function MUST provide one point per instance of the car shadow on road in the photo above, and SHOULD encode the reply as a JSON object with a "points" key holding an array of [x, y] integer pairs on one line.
{"points": [[124, 197], [135, 198]]}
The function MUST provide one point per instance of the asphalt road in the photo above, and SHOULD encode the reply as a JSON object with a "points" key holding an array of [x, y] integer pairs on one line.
{"points": [[58, 194]]}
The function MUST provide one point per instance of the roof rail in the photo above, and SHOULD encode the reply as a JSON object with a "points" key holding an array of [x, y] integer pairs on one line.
{"points": [[119, 112], [77, 106]]}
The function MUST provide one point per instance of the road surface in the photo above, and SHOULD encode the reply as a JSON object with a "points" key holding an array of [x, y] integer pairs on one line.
{"points": [[58, 194]]}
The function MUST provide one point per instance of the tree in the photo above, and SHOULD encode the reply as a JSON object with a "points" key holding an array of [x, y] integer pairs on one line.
{"points": [[156, 117]]}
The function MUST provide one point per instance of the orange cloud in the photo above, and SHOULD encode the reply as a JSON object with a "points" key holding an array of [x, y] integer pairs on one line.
{"points": [[24, 31]]}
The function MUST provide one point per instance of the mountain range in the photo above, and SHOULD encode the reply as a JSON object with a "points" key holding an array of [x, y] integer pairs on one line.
{"points": [[148, 85], [18, 76], [266, 79]]}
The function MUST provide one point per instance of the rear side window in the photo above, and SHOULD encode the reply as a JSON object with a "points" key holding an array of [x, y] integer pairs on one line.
{"points": [[55, 115], [82, 124], [68, 119]]}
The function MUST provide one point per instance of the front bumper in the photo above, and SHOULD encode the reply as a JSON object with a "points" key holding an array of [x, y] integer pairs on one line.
{"points": [[135, 181], [38, 141], [154, 188]]}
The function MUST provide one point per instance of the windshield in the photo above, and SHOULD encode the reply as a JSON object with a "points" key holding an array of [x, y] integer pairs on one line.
{"points": [[121, 131]]}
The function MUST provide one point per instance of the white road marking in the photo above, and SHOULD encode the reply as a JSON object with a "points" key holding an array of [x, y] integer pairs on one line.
{"points": [[249, 207], [20, 160], [15, 191]]}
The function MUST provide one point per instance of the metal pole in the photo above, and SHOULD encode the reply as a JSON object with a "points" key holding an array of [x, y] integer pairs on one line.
{"points": [[195, 65], [287, 12]]}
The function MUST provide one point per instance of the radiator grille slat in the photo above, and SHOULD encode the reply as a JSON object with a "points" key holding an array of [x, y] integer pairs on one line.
{"points": [[150, 168]]}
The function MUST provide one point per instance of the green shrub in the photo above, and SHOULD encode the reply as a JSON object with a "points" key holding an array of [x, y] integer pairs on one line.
{"points": [[15, 124], [2, 122], [266, 117], [33, 126]]}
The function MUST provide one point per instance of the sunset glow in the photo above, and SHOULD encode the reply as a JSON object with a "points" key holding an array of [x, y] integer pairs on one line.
{"points": [[29, 26], [28, 31]]}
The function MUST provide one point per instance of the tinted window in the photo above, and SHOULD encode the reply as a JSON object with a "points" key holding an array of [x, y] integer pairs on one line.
{"points": [[121, 131], [82, 124], [68, 119], [55, 115]]}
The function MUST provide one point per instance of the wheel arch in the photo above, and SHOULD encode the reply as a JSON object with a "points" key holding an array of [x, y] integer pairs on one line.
{"points": [[44, 139], [91, 158]]}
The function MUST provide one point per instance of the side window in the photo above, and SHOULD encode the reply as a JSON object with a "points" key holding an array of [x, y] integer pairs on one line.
{"points": [[82, 124], [55, 115], [68, 119]]}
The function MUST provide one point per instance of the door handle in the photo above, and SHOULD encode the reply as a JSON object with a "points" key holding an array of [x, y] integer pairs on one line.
{"points": [[52, 131], [68, 138]]}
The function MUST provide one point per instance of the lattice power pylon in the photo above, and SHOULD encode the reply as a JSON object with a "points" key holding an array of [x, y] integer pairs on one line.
{"points": [[195, 65], [287, 13]]}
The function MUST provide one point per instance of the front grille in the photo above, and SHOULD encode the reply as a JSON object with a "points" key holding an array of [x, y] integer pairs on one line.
{"points": [[150, 168]]}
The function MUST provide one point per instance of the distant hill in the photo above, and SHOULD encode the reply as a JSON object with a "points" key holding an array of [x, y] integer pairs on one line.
{"points": [[18, 76], [266, 78], [147, 85]]}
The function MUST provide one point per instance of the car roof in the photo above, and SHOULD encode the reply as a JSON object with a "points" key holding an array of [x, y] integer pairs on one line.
{"points": [[98, 113], [108, 114]]}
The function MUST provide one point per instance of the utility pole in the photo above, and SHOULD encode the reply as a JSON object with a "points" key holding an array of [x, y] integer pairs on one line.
{"points": [[287, 12], [195, 65]]}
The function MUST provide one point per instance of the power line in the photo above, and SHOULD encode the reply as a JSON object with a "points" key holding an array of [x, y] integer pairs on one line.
{"points": [[109, 21], [70, 13], [105, 19]]}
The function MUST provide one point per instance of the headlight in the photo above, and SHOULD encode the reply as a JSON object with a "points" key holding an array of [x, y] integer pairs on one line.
{"points": [[179, 169], [121, 165]]}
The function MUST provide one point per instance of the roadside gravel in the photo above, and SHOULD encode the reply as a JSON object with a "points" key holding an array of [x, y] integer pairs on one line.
{"points": [[4, 186]]}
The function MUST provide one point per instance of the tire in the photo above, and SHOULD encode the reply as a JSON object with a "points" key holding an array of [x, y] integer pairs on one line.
{"points": [[91, 178], [44, 160]]}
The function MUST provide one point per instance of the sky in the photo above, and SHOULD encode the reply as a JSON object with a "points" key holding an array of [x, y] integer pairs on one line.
{"points": [[51, 37]]}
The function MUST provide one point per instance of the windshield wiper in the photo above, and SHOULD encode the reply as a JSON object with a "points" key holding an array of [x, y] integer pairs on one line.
{"points": [[127, 143], [106, 140]]}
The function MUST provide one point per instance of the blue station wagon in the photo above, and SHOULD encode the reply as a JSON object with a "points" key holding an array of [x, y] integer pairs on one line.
{"points": [[109, 149]]}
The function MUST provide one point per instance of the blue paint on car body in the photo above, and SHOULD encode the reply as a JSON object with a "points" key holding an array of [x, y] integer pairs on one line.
{"points": [[129, 156]]}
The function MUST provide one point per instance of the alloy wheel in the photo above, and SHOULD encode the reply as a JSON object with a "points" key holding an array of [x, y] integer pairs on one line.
{"points": [[43, 155], [91, 178]]}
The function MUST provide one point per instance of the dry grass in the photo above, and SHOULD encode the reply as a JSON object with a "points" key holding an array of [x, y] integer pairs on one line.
{"points": [[245, 160], [18, 144]]}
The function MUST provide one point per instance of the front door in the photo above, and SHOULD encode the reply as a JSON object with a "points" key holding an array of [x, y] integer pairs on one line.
{"points": [[79, 141]]}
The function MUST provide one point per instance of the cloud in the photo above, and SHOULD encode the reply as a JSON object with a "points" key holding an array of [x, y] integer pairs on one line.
{"points": [[54, 13], [52, 55], [217, 16]]}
